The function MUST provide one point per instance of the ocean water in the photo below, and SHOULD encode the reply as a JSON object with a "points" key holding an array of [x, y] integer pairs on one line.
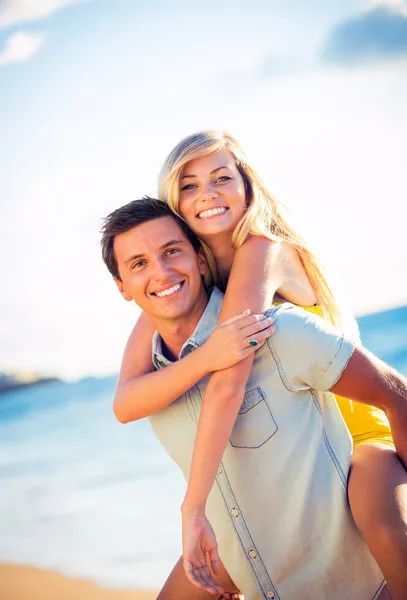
{"points": [[84, 495]]}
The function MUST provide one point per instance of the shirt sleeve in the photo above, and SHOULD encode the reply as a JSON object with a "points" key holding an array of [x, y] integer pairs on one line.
{"points": [[309, 352]]}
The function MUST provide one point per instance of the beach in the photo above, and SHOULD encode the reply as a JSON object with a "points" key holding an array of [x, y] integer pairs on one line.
{"points": [[83, 495], [28, 583]]}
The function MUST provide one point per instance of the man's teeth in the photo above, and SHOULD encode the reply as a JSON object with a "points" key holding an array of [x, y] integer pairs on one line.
{"points": [[211, 211], [170, 291]]}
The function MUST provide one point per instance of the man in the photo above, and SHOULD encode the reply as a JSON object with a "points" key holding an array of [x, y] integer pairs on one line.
{"points": [[279, 507]]}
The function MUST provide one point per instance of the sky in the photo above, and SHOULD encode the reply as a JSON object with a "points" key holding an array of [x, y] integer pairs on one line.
{"points": [[93, 96]]}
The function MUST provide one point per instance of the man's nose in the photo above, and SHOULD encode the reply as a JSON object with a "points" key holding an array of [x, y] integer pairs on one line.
{"points": [[162, 270]]}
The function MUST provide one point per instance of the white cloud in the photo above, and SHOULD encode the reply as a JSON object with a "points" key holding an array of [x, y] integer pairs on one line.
{"points": [[15, 12], [21, 46], [399, 6]]}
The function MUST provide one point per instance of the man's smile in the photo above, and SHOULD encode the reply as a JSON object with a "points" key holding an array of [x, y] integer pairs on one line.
{"points": [[168, 291]]}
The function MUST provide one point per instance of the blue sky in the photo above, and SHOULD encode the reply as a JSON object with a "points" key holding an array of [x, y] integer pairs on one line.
{"points": [[93, 95]]}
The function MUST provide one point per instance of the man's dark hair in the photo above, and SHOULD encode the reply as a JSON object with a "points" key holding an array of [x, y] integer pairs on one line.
{"points": [[130, 215]]}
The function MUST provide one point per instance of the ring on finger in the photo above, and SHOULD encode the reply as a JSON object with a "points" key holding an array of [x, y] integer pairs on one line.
{"points": [[252, 341]]}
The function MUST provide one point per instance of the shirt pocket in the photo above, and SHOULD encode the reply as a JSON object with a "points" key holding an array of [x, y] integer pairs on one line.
{"points": [[255, 423]]}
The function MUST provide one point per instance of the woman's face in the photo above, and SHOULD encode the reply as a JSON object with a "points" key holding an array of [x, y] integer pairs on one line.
{"points": [[212, 196]]}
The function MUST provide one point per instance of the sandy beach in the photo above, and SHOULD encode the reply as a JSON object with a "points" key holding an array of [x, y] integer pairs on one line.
{"points": [[28, 583]]}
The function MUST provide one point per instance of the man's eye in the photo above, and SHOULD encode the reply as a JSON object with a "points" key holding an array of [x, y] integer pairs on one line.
{"points": [[138, 264], [173, 251]]}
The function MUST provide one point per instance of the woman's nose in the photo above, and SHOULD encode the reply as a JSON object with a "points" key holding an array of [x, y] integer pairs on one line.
{"points": [[209, 192]]}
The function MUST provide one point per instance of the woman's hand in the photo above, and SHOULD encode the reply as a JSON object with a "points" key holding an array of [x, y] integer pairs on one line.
{"points": [[200, 552], [229, 343]]}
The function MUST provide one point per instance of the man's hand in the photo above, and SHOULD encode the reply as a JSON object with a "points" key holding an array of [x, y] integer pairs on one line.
{"points": [[200, 552]]}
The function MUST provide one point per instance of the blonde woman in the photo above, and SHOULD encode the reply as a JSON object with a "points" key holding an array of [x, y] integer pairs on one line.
{"points": [[254, 253]]}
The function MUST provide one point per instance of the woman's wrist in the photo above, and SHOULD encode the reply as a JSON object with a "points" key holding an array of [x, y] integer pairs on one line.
{"points": [[191, 509], [204, 360]]}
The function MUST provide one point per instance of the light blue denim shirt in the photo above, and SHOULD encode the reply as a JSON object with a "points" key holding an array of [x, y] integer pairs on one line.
{"points": [[279, 504]]}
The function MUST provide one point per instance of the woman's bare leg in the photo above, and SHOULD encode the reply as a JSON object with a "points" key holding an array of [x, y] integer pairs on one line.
{"points": [[384, 594], [377, 490], [178, 587]]}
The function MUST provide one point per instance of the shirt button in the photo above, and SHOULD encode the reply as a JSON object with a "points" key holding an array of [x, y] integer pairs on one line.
{"points": [[270, 594], [219, 470], [235, 512], [252, 553]]}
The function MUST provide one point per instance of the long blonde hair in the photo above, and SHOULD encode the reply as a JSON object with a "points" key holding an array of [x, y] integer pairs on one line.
{"points": [[263, 216]]}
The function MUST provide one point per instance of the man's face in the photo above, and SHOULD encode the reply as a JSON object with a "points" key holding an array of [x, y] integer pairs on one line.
{"points": [[160, 269]]}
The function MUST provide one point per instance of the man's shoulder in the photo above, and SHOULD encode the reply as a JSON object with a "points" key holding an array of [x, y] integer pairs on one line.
{"points": [[309, 351], [299, 326], [292, 315]]}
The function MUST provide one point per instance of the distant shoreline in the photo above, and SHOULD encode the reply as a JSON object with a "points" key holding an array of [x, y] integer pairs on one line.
{"points": [[9, 384], [25, 378], [19, 582]]}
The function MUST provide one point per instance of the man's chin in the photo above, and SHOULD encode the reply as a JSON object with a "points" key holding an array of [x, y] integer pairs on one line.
{"points": [[174, 311]]}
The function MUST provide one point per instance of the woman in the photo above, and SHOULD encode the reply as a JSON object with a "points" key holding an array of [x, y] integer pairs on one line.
{"points": [[254, 253]]}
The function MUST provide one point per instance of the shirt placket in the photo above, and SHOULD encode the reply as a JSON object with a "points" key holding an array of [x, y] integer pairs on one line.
{"points": [[251, 553]]}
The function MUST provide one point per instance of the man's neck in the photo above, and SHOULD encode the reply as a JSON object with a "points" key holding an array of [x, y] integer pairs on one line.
{"points": [[175, 332]]}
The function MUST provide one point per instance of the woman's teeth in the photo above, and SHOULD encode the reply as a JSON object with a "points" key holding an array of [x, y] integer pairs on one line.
{"points": [[170, 291], [211, 211]]}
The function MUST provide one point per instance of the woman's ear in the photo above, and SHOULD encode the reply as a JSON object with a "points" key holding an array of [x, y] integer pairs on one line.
{"points": [[122, 290]]}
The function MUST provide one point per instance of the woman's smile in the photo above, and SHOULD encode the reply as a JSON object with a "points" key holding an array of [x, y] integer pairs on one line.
{"points": [[216, 211]]}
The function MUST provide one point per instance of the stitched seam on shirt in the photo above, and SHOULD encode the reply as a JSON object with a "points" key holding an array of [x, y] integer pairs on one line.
{"points": [[234, 525], [344, 366], [252, 544], [330, 365], [279, 366], [235, 445], [257, 391], [379, 590], [278, 361], [327, 444], [223, 475], [281, 371]]}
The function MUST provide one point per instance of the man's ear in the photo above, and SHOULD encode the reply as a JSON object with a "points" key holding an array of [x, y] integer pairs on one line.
{"points": [[203, 265], [122, 290]]}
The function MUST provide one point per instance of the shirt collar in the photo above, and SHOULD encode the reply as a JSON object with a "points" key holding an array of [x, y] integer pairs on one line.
{"points": [[207, 323]]}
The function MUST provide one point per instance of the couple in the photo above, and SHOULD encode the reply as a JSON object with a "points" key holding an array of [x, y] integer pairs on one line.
{"points": [[279, 504]]}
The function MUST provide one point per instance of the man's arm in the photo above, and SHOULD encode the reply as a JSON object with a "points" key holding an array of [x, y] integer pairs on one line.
{"points": [[311, 353], [369, 380]]}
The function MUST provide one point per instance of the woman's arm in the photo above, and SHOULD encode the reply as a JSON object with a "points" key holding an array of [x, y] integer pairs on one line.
{"points": [[142, 391], [260, 267]]}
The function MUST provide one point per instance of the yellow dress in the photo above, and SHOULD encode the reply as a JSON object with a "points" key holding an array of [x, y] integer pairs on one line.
{"points": [[366, 424]]}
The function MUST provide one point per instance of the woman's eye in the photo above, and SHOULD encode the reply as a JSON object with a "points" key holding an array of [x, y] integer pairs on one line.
{"points": [[189, 186], [222, 178]]}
